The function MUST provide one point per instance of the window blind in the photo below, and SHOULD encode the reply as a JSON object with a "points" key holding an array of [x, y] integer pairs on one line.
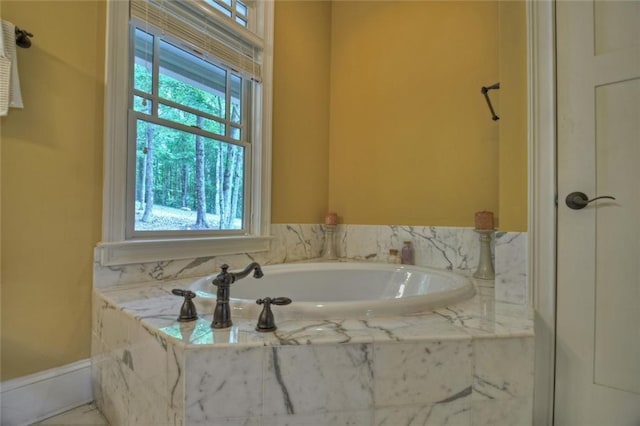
{"points": [[202, 34]]}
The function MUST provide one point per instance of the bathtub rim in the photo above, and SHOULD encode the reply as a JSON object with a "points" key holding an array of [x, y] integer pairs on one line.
{"points": [[363, 309], [480, 317]]}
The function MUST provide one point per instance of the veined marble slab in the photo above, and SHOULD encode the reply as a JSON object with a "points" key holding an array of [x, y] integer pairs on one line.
{"points": [[156, 308], [291, 243], [466, 364], [440, 367], [511, 267], [451, 248]]}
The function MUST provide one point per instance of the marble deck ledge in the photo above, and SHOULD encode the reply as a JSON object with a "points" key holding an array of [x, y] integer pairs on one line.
{"points": [[156, 309]]}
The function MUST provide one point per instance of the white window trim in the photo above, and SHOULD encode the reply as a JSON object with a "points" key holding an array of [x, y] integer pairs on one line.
{"points": [[114, 248]]}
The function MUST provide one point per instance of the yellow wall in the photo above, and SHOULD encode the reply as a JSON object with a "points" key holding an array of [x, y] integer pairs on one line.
{"points": [[301, 111], [51, 186], [512, 156], [411, 138], [396, 167]]}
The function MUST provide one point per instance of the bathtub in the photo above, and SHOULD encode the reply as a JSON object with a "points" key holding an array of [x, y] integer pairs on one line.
{"points": [[466, 363], [332, 290]]}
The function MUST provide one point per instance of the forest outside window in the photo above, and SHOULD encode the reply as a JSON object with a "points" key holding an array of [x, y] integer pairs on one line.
{"points": [[187, 129], [191, 143]]}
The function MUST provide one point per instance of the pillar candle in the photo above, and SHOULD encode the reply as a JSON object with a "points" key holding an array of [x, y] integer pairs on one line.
{"points": [[484, 220]]}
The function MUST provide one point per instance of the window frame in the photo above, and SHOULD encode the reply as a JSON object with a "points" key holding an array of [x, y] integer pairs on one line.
{"points": [[115, 248], [153, 117]]}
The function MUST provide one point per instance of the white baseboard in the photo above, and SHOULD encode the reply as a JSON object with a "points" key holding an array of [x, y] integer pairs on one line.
{"points": [[32, 398]]}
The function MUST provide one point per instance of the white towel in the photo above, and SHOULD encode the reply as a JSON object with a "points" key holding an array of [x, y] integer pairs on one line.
{"points": [[5, 78], [9, 78]]}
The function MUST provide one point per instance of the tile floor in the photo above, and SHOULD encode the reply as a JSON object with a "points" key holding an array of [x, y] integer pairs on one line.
{"points": [[83, 415]]}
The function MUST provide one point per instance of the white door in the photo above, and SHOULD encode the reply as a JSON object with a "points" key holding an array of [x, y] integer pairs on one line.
{"points": [[598, 311]]}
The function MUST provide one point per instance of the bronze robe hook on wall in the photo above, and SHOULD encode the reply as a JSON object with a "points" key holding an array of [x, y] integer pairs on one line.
{"points": [[484, 91], [23, 38]]}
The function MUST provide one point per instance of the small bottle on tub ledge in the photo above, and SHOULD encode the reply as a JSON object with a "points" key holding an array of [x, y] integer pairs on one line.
{"points": [[393, 256], [408, 254]]}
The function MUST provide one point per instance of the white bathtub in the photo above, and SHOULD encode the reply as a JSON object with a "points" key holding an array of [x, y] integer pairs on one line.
{"points": [[332, 290]]}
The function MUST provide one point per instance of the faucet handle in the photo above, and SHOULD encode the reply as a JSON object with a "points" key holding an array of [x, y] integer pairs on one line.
{"points": [[266, 322], [275, 300], [188, 309]]}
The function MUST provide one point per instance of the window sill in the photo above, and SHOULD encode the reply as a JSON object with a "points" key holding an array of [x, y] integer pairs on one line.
{"points": [[141, 251]]}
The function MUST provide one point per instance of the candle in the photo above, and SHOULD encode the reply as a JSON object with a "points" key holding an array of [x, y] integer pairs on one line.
{"points": [[484, 220], [331, 219]]}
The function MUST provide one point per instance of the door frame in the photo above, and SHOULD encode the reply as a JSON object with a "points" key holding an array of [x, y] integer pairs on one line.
{"points": [[541, 70]]}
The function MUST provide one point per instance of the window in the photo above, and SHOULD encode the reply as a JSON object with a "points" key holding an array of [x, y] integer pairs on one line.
{"points": [[191, 144], [187, 159], [235, 10]]}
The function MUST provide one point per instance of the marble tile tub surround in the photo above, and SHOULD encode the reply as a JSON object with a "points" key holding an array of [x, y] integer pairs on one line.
{"points": [[450, 248], [468, 364], [291, 243], [511, 267]]}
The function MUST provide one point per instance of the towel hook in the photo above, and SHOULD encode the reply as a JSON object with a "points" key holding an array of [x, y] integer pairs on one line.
{"points": [[23, 38], [484, 91]]}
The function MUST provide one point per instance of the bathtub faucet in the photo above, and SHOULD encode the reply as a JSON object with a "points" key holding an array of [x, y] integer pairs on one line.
{"points": [[222, 313]]}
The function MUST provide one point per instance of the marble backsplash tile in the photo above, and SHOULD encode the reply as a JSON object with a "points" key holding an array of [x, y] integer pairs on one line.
{"points": [[454, 249], [291, 243], [451, 248], [511, 267]]}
